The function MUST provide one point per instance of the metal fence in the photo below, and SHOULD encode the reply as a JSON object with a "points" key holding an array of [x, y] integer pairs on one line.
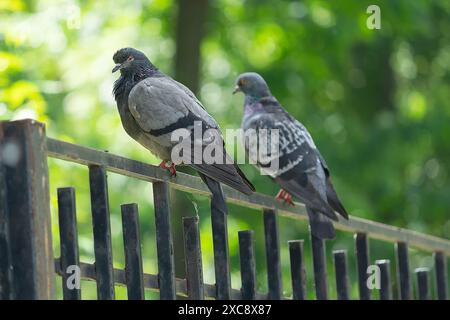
{"points": [[27, 265]]}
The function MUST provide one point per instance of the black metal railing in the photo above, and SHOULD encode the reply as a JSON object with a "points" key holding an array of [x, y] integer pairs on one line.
{"points": [[26, 239]]}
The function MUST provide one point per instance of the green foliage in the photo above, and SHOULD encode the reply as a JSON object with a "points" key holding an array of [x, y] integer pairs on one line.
{"points": [[375, 101]]}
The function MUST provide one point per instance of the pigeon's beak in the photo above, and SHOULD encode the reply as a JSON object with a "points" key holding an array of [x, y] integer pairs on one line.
{"points": [[117, 67], [236, 89]]}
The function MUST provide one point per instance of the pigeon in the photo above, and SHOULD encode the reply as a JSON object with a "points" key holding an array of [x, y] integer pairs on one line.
{"points": [[152, 107], [301, 171]]}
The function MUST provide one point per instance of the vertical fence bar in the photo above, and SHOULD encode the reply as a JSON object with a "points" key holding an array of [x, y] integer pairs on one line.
{"points": [[102, 232], [320, 267], [221, 254], [272, 254], [133, 257], [422, 283], [248, 266], [5, 254], [440, 261], [69, 242], [24, 161], [403, 271], [298, 274], [385, 279], [341, 271], [193, 256], [362, 260], [164, 241]]}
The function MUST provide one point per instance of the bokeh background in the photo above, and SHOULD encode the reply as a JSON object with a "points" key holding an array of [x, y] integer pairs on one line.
{"points": [[377, 103]]}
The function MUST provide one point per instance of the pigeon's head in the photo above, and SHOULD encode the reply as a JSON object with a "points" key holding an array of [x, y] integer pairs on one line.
{"points": [[130, 60], [252, 84]]}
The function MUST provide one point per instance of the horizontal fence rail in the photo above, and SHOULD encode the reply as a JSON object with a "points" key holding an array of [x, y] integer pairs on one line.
{"points": [[29, 134], [132, 168]]}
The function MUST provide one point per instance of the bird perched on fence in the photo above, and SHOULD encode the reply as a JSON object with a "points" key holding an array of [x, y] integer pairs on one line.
{"points": [[301, 170], [152, 106]]}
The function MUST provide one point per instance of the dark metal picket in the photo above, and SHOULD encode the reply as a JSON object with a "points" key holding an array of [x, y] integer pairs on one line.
{"points": [[422, 283], [5, 262], [193, 256], [68, 235], [164, 241], [133, 258], [102, 233], [440, 261], [272, 254], [363, 261], [25, 224], [403, 270], [341, 271], [248, 266], [221, 254], [385, 279], [298, 273], [320, 267]]}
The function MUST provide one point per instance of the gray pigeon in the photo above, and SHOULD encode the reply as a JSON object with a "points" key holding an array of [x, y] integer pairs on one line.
{"points": [[301, 170], [152, 106]]}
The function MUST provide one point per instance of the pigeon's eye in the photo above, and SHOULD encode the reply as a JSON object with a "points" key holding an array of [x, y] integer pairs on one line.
{"points": [[130, 58], [242, 82]]}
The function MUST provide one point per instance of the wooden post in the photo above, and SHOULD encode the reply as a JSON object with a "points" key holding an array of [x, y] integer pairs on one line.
{"points": [[24, 162]]}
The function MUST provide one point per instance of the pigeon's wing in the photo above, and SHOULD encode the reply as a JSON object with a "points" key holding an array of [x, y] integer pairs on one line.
{"points": [[160, 106], [296, 167], [332, 197]]}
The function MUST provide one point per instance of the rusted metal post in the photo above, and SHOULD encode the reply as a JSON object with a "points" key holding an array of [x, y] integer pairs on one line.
{"points": [[24, 161]]}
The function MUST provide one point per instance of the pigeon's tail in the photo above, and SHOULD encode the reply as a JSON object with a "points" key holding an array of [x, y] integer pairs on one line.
{"points": [[218, 198], [321, 225], [229, 174], [334, 201]]}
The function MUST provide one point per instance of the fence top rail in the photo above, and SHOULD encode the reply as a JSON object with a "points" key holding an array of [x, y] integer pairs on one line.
{"points": [[184, 182]]}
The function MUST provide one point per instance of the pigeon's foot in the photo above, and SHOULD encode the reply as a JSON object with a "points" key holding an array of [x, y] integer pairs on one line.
{"points": [[285, 196], [171, 168]]}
